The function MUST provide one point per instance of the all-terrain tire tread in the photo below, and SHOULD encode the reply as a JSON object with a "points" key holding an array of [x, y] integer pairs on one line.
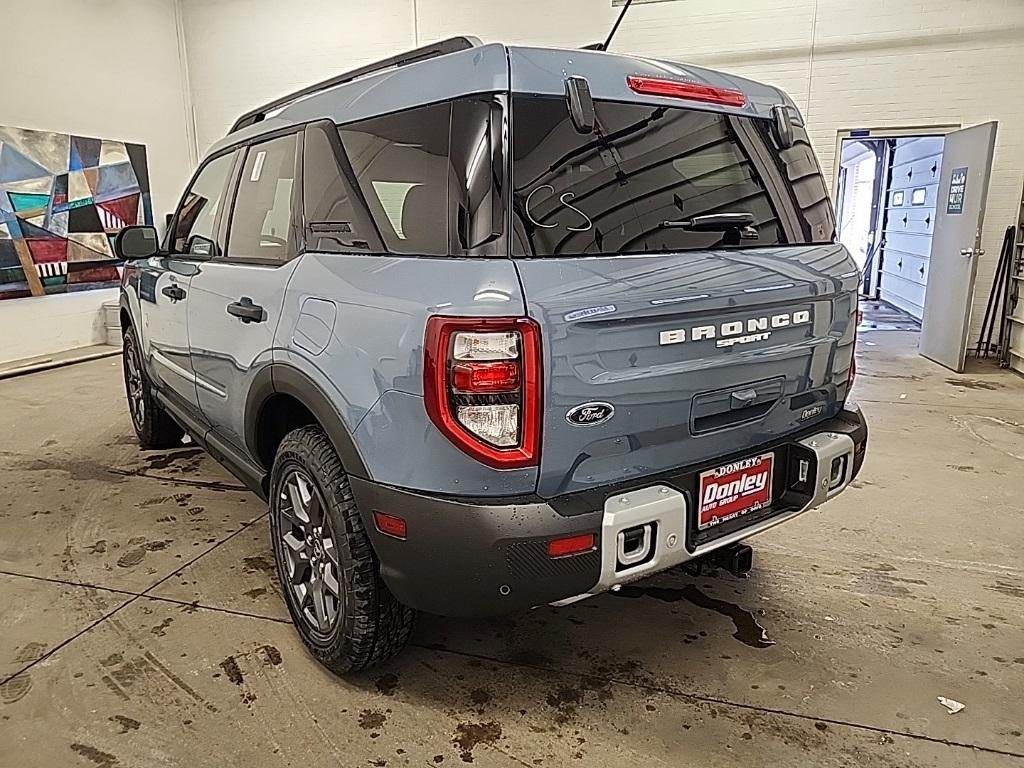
{"points": [[379, 626]]}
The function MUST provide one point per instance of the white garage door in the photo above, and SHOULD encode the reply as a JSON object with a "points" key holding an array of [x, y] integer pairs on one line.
{"points": [[910, 216]]}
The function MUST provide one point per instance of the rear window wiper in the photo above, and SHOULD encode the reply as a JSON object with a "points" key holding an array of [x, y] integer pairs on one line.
{"points": [[715, 222]]}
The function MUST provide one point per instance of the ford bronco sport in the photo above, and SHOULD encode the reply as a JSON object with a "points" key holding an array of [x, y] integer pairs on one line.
{"points": [[494, 327]]}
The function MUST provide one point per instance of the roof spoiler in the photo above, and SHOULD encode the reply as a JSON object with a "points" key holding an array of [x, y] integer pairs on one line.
{"points": [[440, 48]]}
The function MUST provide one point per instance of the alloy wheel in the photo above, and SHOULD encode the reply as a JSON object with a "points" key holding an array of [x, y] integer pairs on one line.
{"points": [[133, 377], [310, 551]]}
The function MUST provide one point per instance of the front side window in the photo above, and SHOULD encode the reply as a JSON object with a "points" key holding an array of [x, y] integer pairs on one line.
{"points": [[261, 222], [194, 224], [633, 185]]}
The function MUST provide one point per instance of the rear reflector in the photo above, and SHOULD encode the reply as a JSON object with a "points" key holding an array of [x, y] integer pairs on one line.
{"points": [[572, 545], [684, 89], [389, 525]]}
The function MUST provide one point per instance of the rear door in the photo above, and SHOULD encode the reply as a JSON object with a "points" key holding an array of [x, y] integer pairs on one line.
{"points": [[165, 283], [956, 244], [236, 299], [688, 345]]}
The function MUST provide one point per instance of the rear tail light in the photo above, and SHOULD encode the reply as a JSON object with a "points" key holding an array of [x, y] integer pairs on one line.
{"points": [[685, 89], [482, 386]]}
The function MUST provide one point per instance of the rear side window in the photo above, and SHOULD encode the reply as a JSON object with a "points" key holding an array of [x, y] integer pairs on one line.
{"points": [[425, 181], [194, 224], [261, 222], [627, 187], [401, 164]]}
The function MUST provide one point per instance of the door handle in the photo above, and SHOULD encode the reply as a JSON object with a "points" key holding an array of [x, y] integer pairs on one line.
{"points": [[967, 252], [743, 398], [248, 312], [173, 292]]}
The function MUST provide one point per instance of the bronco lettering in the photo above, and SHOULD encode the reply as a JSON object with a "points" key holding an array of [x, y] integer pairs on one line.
{"points": [[737, 331]]}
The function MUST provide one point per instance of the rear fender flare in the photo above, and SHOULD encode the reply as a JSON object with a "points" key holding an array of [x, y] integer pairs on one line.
{"points": [[284, 379]]}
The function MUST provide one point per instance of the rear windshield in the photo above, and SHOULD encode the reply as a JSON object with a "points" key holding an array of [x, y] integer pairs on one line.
{"points": [[627, 187]]}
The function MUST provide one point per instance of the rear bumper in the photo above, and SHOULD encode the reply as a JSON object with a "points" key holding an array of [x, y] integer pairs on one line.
{"points": [[489, 556]]}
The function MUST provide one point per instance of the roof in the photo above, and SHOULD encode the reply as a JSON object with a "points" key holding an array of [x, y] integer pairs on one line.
{"points": [[464, 66]]}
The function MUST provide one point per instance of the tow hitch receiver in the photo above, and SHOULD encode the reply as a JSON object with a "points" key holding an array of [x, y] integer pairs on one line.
{"points": [[737, 559]]}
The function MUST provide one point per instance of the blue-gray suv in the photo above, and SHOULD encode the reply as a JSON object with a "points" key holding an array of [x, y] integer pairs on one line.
{"points": [[493, 327]]}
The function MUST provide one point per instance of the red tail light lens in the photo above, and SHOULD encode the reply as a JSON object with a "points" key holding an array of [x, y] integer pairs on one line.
{"points": [[684, 89], [482, 386], [474, 378]]}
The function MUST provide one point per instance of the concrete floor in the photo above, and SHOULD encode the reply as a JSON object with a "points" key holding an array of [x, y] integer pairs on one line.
{"points": [[140, 623]]}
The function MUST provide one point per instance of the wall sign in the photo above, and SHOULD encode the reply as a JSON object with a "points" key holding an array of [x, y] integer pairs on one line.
{"points": [[957, 190]]}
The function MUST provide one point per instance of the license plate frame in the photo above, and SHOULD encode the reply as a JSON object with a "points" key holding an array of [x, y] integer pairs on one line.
{"points": [[735, 489]]}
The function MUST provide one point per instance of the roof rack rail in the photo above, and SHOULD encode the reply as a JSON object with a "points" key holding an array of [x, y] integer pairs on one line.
{"points": [[440, 48]]}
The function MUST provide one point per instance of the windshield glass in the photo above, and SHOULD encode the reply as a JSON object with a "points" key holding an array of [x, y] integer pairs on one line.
{"points": [[634, 184]]}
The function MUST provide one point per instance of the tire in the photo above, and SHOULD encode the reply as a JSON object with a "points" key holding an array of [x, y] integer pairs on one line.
{"points": [[355, 622], [153, 425]]}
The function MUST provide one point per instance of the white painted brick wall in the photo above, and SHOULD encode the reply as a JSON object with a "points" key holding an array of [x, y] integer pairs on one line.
{"points": [[870, 63]]}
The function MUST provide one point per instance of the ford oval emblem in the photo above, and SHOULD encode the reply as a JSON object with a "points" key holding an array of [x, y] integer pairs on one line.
{"points": [[590, 414]]}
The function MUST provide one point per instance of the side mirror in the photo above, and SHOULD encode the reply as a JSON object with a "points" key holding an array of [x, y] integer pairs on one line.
{"points": [[581, 104], [782, 126], [137, 243]]}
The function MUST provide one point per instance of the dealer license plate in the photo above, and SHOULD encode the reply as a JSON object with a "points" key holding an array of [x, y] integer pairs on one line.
{"points": [[735, 489]]}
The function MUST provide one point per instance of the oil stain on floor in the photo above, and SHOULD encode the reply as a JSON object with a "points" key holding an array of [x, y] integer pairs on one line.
{"points": [[748, 630]]}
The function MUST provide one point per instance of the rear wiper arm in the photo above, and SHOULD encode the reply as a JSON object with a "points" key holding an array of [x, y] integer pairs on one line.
{"points": [[715, 222]]}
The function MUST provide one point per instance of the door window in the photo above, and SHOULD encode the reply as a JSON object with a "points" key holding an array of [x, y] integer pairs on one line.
{"points": [[261, 222], [194, 224]]}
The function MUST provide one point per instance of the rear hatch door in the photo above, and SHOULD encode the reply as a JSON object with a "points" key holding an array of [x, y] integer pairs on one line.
{"points": [[666, 346]]}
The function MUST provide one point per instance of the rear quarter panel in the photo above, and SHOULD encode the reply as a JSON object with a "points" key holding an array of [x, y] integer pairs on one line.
{"points": [[371, 365]]}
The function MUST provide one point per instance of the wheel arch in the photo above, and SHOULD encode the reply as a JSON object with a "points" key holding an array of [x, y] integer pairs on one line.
{"points": [[278, 386]]}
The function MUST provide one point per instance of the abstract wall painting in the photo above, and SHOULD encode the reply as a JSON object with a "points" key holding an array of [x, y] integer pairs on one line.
{"points": [[63, 200]]}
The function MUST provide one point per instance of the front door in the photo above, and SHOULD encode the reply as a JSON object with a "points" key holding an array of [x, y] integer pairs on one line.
{"points": [[236, 299], [165, 283], [956, 244]]}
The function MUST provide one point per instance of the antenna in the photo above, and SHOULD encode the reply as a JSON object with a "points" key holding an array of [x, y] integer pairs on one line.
{"points": [[615, 28]]}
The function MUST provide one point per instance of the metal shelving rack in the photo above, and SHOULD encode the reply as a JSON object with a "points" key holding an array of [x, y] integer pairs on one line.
{"points": [[1014, 305]]}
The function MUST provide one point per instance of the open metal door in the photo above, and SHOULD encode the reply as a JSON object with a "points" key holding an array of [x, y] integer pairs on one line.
{"points": [[956, 244]]}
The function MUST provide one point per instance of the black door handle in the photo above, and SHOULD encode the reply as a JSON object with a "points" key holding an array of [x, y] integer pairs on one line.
{"points": [[743, 397], [247, 311], [173, 292]]}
